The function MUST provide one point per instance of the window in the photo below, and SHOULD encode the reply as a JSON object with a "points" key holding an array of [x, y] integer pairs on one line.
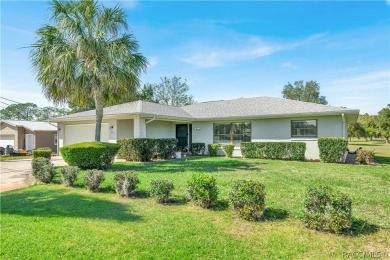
{"points": [[304, 128], [55, 139], [232, 133]]}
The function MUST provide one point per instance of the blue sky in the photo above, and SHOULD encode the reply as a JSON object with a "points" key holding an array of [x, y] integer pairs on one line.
{"points": [[234, 49]]}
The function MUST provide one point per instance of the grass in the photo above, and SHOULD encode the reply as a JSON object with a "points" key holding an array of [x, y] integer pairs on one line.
{"points": [[382, 150], [11, 157], [51, 221]]}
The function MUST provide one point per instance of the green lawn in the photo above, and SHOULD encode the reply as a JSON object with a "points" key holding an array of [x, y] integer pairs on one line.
{"points": [[382, 150], [10, 157], [50, 221]]}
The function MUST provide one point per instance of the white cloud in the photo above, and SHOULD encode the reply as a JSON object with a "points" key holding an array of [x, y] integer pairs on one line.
{"points": [[14, 29], [360, 91], [238, 48], [288, 65], [152, 61], [127, 4]]}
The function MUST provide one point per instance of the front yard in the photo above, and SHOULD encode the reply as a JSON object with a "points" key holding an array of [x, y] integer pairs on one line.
{"points": [[50, 221]]}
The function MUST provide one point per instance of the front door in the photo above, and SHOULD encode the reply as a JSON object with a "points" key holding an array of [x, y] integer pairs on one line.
{"points": [[183, 131]]}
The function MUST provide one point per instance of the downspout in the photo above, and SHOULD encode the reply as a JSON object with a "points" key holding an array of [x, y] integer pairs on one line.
{"points": [[343, 119], [151, 120]]}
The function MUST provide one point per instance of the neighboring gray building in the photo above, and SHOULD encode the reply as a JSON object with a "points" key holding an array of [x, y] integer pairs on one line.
{"points": [[28, 135], [224, 121]]}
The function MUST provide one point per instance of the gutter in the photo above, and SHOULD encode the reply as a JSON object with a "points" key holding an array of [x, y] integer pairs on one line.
{"points": [[151, 120], [343, 128]]}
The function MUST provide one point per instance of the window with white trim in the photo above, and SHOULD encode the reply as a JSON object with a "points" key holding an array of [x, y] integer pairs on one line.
{"points": [[232, 132], [304, 128]]}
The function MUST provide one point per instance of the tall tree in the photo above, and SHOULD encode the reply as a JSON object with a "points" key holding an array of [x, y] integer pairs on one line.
{"points": [[384, 123], [147, 93], [369, 124], [31, 112], [87, 53], [21, 111], [172, 92], [308, 92], [356, 130], [46, 113]]}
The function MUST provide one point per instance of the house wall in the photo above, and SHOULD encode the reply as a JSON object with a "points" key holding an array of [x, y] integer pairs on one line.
{"points": [[45, 139], [6, 129], [276, 129], [125, 129], [160, 129]]}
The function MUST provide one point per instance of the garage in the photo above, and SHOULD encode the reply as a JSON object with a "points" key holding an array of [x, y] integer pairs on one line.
{"points": [[84, 133], [7, 140]]}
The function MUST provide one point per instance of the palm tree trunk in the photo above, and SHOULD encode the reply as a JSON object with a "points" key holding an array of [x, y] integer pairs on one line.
{"points": [[99, 114]]}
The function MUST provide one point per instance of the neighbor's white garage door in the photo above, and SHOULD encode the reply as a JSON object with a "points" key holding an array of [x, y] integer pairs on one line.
{"points": [[7, 140], [84, 133]]}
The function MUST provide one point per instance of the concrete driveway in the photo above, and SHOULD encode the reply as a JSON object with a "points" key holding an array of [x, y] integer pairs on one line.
{"points": [[16, 174]]}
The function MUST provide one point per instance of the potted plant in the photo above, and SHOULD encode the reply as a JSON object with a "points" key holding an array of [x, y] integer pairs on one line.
{"points": [[178, 153]]}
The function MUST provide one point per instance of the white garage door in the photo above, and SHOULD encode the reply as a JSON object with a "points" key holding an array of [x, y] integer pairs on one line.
{"points": [[84, 133], [7, 140]]}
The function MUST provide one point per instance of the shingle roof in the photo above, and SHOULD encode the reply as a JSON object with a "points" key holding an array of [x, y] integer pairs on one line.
{"points": [[235, 108], [259, 107], [33, 126], [136, 107]]}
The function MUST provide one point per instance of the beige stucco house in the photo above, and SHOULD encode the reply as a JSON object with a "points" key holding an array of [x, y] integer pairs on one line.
{"points": [[28, 135], [250, 119]]}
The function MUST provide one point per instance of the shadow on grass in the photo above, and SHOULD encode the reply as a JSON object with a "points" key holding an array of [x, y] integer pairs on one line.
{"points": [[361, 227], [382, 159], [220, 205], [62, 203], [194, 164], [272, 214]]}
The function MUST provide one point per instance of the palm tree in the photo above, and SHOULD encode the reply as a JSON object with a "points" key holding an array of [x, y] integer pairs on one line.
{"points": [[87, 54]]}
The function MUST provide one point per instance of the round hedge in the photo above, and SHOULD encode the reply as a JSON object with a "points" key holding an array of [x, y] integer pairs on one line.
{"points": [[90, 155]]}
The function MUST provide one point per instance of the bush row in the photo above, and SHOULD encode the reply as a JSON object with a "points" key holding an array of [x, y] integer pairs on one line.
{"points": [[44, 152], [332, 149], [325, 209], [144, 149], [274, 150], [90, 155]]}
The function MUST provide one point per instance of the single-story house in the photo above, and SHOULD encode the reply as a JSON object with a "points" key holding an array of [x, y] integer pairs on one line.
{"points": [[223, 121], [28, 135]]}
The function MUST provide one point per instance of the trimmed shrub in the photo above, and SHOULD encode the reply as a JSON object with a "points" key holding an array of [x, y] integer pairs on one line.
{"points": [[332, 149], [137, 149], [44, 152], [125, 183], [43, 170], [93, 179], [247, 198], [365, 156], [228, 149], [327, 210], [69, 175], [203, 190], [90, 155], [213, 149], [274, 150], [198, 148], [161, 189], [165, 147]]}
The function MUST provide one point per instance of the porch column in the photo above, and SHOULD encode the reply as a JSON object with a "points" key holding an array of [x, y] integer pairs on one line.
{"points": [[139, 127]]}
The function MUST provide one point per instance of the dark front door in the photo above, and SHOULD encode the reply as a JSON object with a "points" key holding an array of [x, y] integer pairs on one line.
{"points": [[182, 135]]}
